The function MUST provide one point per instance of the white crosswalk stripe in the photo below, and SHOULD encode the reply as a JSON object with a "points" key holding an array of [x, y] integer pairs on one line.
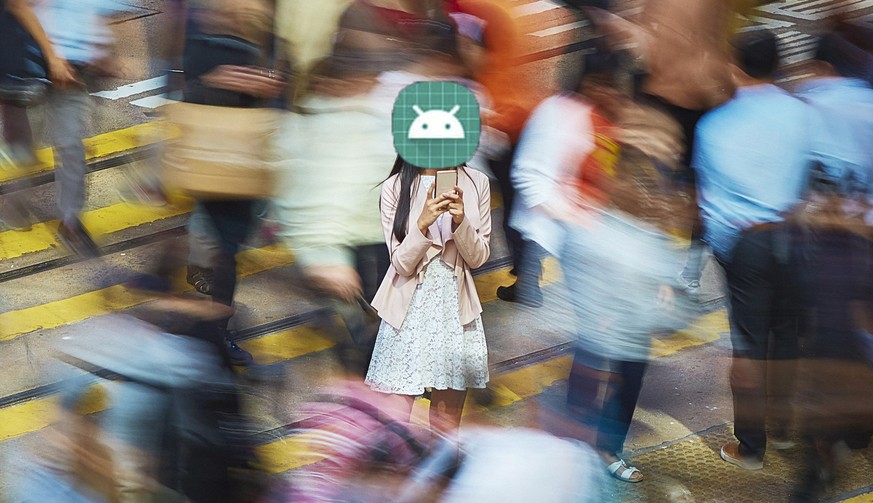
{"points": [[815, 10], [537, 7], [133, 89]]}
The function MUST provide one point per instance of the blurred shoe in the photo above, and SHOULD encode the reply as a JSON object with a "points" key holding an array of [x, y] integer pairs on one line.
{"points": [[691, 287], [509, 293], [201, 279], [76, 239], [238, 356], [18, 216], [730, 452], [782, 443]]}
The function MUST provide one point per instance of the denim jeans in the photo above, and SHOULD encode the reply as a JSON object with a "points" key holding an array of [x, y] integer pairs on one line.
{"points": [[68, 112], [233, 221]]}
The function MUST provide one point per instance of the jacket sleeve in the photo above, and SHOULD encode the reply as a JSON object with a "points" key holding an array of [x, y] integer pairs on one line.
{"points": [[474, 244], [405, 256]]}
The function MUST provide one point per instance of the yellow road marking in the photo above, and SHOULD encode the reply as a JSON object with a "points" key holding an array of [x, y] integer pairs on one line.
{"points": [[99, 223], [861, 498], [103, 145], [708, 328], [15, 324], [287, 345]]}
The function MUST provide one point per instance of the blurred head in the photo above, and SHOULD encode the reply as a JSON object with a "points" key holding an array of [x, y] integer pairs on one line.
{"points": [[842, 57], [599, 81], [471, 37], [756, 56]]}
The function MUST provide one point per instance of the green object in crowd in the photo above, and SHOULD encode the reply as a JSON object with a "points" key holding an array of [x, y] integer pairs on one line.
{"points": [[436, 124]]}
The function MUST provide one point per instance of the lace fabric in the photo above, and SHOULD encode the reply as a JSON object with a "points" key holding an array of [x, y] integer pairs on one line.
{"points": [[431, 349]]}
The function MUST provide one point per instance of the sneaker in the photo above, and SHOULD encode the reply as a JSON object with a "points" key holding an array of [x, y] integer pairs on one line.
{"points": [[200, 278], [238, 355], [691, 287], [782, 443], [730, 452], [18, 216], [76, 239], [510, 294]]}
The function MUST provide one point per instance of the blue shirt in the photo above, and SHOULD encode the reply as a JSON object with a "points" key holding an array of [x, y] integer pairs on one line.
{"points": [[752, 158], [78, 28], [845, 143]]}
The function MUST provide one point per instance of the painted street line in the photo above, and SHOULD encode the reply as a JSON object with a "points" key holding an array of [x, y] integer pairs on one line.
{"points": [[129, 90], [560, 29], [533, 8]]}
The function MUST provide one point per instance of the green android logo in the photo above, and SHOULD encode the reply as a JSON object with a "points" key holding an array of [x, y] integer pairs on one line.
{"points": [[436, 124]]}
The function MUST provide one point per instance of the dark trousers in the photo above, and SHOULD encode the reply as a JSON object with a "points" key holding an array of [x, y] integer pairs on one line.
{"points": [[612, 418], [233, 222], [501, 168], [372, 262], [766, 308]]}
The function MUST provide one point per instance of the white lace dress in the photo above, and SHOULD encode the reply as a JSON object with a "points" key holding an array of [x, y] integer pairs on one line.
{"points": [[432, 349]]}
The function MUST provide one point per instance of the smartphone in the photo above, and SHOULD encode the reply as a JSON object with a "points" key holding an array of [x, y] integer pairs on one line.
{"points": [[446, 181]]}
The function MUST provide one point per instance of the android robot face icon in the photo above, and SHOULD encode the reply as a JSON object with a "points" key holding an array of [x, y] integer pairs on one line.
{"points": [[436, 125]]}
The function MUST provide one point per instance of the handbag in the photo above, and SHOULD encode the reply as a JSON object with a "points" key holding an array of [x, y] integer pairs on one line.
{"points": [[220, 152], [23, 70]]}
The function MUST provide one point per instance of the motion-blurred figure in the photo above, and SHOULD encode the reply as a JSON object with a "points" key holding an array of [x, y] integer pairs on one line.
{"points": [[226, 58], [752, 157], [681, 50], [173, 429], [605, 203], [79, 31], [835, 403], [513, 97]]}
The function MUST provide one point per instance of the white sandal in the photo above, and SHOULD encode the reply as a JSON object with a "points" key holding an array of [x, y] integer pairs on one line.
{"points": [[624, 476]]}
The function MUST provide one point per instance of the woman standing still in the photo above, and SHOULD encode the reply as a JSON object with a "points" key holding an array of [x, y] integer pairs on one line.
{"points": [[431, 334]]}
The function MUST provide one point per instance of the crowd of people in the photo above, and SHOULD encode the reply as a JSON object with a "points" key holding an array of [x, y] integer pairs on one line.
{"points": [[672, 130]]}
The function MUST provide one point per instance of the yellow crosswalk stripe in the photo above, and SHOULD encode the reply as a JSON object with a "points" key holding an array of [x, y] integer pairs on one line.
{"points": [[99, 223], [15, 324], [103, 145]]}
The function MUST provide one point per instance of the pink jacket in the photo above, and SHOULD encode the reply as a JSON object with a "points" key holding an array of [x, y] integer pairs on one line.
{"points": [[467, 248]]}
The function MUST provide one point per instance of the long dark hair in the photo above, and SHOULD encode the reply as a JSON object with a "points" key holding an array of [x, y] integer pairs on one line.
{"points": [[408, 175]]}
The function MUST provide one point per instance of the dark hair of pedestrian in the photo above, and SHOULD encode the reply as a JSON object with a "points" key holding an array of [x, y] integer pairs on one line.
{"points": [[600, 64], [846, 58], [757, 53]]}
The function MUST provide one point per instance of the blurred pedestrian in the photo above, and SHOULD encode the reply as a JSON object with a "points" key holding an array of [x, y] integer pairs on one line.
{"points": [[752, 157], [682, 55], [432, 334], [22, 75], [834, 400], [80, 33], [513, 96]]}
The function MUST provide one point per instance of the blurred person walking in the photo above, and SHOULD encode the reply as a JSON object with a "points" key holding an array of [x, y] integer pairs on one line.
{"points": [[513, 96], [226, 60], [27, 59], [833, 385], [682, 53], [431, 334], [80, 32], [607, 201], [752, 156]]}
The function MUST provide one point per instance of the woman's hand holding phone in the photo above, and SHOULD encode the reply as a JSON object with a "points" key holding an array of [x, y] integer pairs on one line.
{"points": [[434, 206], [456, 206]]}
